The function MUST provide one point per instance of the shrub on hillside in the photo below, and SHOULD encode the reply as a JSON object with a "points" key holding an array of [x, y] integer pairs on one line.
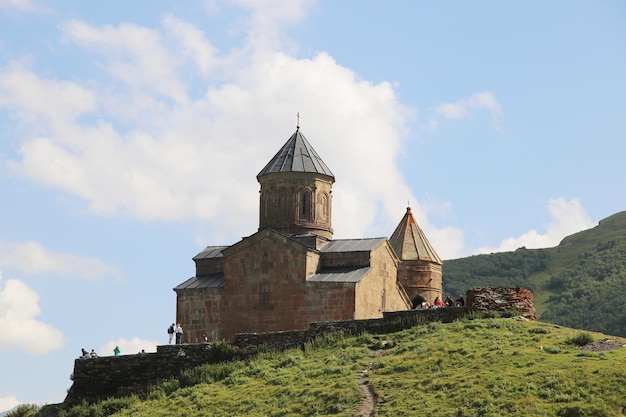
{"points": [[24, 410], [581, 339]]}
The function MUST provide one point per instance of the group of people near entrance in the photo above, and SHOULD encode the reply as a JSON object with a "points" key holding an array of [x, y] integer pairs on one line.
{"points": [[175, 332], [449, 302]]}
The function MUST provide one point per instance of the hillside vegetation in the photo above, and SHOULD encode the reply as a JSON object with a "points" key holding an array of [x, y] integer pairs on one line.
{"points": [[472, 367], [580, 283]]}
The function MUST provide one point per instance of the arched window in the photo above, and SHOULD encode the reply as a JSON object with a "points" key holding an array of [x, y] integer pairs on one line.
{"points": [[324, 206], [304, 205]]}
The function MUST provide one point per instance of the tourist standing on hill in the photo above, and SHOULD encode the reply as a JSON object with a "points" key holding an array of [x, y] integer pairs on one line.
{"points": [[438, 302], [179, 334], [460, 301], [170, 333], [449, 301], [116, 351]]}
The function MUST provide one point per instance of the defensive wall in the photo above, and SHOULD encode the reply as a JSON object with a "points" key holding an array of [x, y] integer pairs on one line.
{"points": [[109, 376]]}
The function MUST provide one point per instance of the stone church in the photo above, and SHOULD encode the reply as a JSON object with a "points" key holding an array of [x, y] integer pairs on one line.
{"points": [[291, 272]]}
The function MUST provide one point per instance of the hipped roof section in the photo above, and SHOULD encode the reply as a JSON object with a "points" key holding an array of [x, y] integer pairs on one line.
{"points": [[296, 155]]}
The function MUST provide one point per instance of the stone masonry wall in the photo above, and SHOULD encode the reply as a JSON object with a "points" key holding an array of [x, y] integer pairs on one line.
{"points": [[127, 374], [265, 289], [199, 311], [421, 278], [104, 377], [379, 291], [501, 299], [391, 321]]}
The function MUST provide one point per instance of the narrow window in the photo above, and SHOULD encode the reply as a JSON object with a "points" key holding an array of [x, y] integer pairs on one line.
{"points": [[324, 203], [283, 206], [304, 211], [383, 300], [265, 205], [264, 295], [265, 263]]}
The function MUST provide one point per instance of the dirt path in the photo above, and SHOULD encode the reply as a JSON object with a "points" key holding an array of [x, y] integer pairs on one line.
{"points": [[369, 402]]}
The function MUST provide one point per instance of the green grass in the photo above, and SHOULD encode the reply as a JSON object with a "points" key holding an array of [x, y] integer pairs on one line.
{"points": [[472, 367], [496, 367]]}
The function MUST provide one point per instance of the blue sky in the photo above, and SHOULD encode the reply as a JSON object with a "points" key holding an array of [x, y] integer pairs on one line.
{"points": [[131, 134]]}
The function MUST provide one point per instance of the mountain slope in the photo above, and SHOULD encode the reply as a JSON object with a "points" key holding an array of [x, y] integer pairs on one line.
{"points": [[580, 283]]}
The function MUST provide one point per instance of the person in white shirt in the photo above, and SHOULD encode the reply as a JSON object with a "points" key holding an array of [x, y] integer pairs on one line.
{"points": [[179, 334]]}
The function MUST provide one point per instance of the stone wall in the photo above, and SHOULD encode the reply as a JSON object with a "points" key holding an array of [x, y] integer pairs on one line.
{"points": [[378, 291], [127, 374], [328, 301], [199, 309], [123, 375], [421, 278], [391, 321], [265, 288], [502, 299]]}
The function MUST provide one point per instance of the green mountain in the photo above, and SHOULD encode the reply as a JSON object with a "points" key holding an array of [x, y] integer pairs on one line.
{"points": [[581, 283], [472, 367]]}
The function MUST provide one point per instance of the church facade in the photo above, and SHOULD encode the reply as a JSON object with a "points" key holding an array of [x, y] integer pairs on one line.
{"points": [[291, 272]]}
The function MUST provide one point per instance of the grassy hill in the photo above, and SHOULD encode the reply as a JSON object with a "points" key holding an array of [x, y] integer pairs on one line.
{"points": [[472, 367], [580, 283]]}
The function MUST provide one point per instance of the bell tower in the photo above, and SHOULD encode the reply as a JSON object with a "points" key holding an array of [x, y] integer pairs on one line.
{"points": [[420, 269], [296, 191]]}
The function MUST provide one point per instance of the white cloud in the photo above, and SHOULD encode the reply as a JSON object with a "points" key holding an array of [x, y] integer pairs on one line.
{"points": [[33, 258], [128, 347], [23, 91], [7, 403], [268, 19], [193, 43], [568, 217], [20, 328], [148, 150], [24, 5], [137, 56], [155, 158], [211, 7], [463, 108], [448, 242]]}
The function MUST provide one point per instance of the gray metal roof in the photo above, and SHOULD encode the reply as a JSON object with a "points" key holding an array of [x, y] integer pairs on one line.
{"points": [[340, 275], [214, 280], [297, 155], [210, 252], [352, 245]]}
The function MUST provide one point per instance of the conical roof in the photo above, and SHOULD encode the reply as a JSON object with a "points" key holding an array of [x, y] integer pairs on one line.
{"points": [[410, 243], [297, 155]]}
